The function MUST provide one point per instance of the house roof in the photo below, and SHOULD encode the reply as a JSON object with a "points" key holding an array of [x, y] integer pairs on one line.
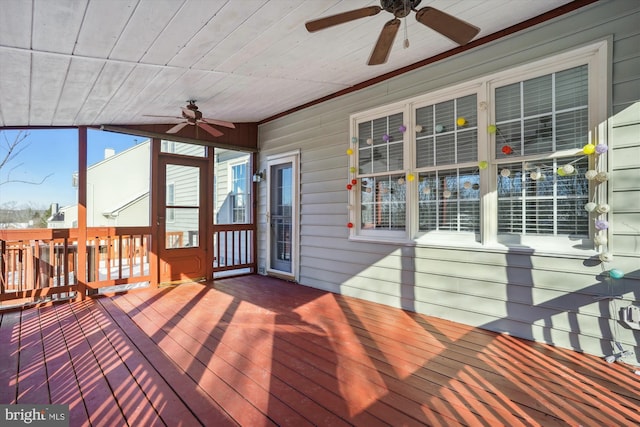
{"points": [[100, 62], [122, 204]]}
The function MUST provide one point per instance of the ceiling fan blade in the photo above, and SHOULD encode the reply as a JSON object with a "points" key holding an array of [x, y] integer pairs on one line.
{"points": [[177, 127], [449, 26], [341, 18], [188, 113], [383, 46], [213, 131], [219, 122]]}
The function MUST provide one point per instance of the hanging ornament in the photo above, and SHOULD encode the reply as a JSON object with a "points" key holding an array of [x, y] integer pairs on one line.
{"points": [[386, 138], [410, 177], [590, 174], [475, 186], [590, 207], [461, 121], [354, 181], [446, 194], [602, 176], [601, 224], [467, 185], [349, 186], [418, 128], [492, 128], [600, 240], [507, 150], [483, 164], [601, 148], [439, 128], [369, 141], [349, 151], [402, 128], [614, 273], [352, 169], [426, 190], [349, 225], [534, 175], [606, 257], [603, 208], [560, 172], [589, 149], [505, 172], [368, 190], [400, 181], [354, 139], [568, 169]]}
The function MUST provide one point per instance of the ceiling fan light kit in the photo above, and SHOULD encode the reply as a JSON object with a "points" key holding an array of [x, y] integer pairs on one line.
{"points": [[457, 30]]}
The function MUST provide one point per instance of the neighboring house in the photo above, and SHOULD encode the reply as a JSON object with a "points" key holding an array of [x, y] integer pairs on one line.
{"points": [[470, 189], [64, 217], [118, 189]]}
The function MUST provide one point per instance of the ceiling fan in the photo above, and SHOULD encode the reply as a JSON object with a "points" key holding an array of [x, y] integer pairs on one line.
{"points": [[456, 29], [193, 116]]}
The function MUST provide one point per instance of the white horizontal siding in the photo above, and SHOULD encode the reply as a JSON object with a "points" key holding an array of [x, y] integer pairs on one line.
{"points": [[535, 296]]}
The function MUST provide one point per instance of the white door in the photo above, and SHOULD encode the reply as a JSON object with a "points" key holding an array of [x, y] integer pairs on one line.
{"points": [[282, 216]]}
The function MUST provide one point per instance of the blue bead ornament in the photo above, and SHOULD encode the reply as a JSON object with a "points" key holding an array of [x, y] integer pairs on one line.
{"points": [[614, 273]]}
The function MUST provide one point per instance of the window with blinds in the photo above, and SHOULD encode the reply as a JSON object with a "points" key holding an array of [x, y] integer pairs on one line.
{"points": [[536, 118], [448, 197], [495, 161], [380, 170]]}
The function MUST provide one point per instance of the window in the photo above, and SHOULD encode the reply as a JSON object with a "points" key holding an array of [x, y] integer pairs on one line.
{"points": [[171, 200], [239, 194], [380, 169], [446, 161], [495, 160]]}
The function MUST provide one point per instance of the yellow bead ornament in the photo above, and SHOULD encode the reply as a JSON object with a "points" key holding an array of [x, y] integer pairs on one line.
{"points": [[349, 151], [461, 121], [589, 149]]}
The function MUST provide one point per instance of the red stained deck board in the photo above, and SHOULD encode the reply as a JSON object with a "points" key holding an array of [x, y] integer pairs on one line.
{"points": [[163, 399], [63, 387], [317, 353], [205, 410], [257, 365], [101, 405], [9, 356], [131, 399], [260, 351], [32, 378], [239, 337], [240, 403]]}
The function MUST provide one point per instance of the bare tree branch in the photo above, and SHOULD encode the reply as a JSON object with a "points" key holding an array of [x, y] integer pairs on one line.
{"points": [[11, 149]]}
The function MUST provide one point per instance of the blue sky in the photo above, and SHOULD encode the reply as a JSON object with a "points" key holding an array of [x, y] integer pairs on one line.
{"points": [[52, 152]]}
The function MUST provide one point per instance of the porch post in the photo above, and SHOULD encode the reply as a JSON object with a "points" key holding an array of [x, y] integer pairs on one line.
{"points": [[82, 213]]}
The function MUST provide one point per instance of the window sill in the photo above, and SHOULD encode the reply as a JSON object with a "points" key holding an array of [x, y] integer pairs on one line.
{"points": [[560, 247]]}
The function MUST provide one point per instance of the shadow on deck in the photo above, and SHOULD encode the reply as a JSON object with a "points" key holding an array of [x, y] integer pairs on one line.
{"points": [[257, 351]]}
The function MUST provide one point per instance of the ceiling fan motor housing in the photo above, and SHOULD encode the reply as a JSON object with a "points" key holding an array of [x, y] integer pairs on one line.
{"points": [[399, 8]]}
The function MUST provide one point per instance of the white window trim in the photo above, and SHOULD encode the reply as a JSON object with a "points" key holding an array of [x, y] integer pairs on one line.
{"points": [[595, 56]]}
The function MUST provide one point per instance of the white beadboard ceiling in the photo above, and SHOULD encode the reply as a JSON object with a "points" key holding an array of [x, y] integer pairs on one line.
{"points": [[101, 62]]}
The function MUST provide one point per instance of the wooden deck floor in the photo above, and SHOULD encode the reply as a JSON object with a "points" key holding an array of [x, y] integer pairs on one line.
{"points": [[257, 351]]}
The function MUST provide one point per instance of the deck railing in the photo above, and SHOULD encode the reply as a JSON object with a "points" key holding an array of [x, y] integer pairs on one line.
{"points": [[42, 264], [117, 256], [233, 248]]}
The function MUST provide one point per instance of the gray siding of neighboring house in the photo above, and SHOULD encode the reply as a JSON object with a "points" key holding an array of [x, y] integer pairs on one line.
{"points": [[544, 298], [116, 181]]}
